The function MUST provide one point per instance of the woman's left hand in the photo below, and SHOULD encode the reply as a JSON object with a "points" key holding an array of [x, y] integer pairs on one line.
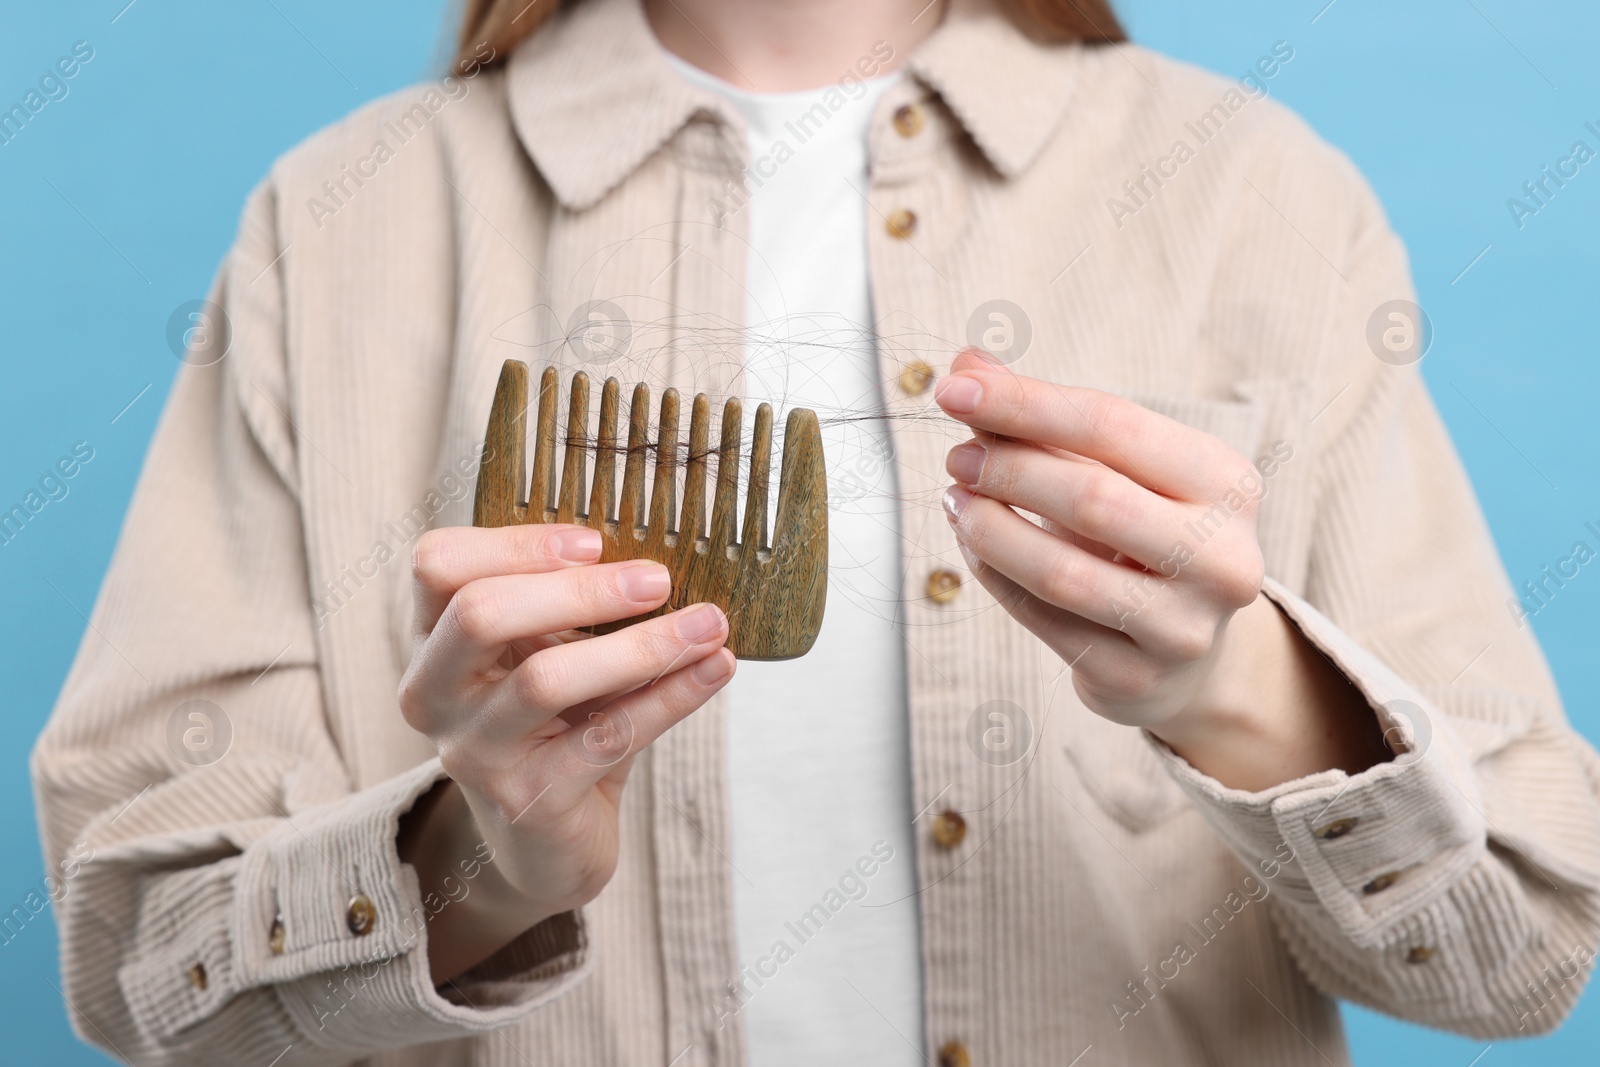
{"points": [[1147, 551], [1145, 576]]}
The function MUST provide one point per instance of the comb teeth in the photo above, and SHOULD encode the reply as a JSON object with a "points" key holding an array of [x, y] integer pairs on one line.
{"points": [[772, 591]]}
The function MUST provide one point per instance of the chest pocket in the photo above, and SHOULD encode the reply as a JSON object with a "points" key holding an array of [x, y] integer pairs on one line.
{"points": [[1115, 762]]}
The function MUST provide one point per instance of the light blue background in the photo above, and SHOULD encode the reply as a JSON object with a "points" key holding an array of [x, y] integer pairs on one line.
{"points": [[117, 203]]}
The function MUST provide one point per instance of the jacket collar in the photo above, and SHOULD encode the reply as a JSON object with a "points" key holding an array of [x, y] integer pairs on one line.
{"points": [[1008, 92], [592, 95]]}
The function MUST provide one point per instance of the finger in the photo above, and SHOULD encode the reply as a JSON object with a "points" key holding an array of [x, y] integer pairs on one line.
{"points": [[1110, 671], [1086, 497], [568, 676], [1159, 453], [489, 614], [583, 755], [1056, 572], [1072, 637], [448, 558]]}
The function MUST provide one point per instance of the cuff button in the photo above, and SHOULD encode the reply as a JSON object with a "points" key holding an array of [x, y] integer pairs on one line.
{"points": [[361, 916], [275, 937], [197, 976], [1334, 830], [1380, 883], [1419, 954]]}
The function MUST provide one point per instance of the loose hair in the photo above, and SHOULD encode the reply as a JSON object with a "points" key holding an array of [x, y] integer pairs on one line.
{"points": [[503, 24]]}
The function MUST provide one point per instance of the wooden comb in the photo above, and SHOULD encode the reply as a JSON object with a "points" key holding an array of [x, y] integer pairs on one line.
{"points": [[772, 593]]}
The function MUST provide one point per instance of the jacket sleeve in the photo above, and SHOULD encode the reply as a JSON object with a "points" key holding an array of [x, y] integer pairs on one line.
{"points": [[1459, 884], [223, 893]]}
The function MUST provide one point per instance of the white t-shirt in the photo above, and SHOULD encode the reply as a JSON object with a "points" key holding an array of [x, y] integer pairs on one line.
{"points": [[818, 748]]}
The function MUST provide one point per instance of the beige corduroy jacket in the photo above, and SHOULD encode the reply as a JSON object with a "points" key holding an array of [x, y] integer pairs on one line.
{"points": [[1105, 896]]}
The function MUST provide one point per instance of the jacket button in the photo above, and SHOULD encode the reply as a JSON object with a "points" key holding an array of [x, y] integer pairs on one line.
{"points": [[943, 586], [949, 828], [1419, 954], [275, 937], [915, 377], [1334, 830], [954, 1054], [360, 916], [197, 976], [902, 224], [908, 120], [1380, 883]]}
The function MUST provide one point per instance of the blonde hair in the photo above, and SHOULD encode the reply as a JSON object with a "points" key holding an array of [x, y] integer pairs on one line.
{"points": [[491, 29]]}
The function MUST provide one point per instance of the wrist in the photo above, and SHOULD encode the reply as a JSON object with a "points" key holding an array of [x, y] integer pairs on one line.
{"points": [[1273, 709], [495, 898], [1247, 665], [472, 909]]}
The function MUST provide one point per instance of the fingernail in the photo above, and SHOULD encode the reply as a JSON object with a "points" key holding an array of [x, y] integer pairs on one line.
{"points": [[965, 462], [578, 545], [955, 501], [958, 395], [713, 669], [698, 624], [645, 581]]}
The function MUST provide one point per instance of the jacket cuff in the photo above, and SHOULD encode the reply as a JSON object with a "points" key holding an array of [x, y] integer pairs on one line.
{"points": [[1372, 848], [322, 910]]}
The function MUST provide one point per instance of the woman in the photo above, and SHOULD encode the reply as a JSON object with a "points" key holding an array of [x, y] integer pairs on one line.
{"points": [[324, 806]]}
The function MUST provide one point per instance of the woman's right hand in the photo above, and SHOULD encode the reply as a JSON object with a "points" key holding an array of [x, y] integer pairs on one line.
{"points": [[536, 725]]}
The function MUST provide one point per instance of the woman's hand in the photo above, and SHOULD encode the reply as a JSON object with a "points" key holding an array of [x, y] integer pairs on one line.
{"points": [[536, 725], [1145, 575]]}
